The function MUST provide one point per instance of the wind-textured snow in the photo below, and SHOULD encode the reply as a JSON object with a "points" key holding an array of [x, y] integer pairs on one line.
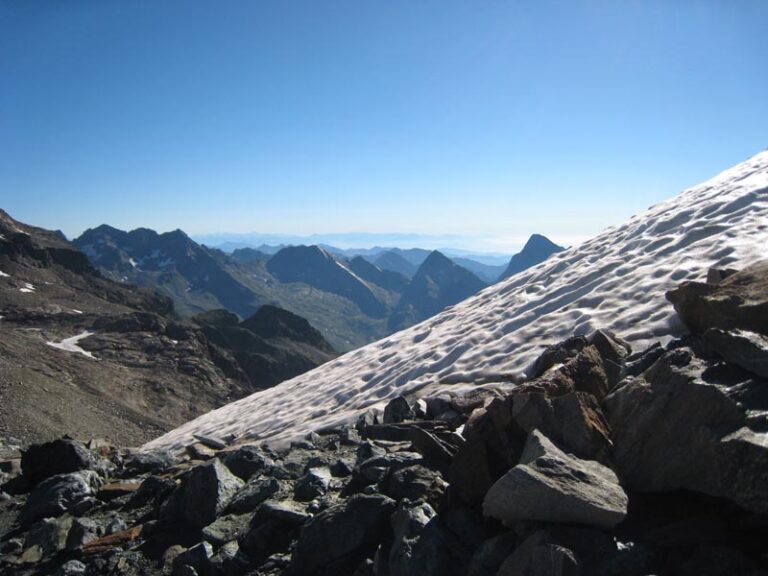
{"points": [[615, 281], [71, 344]]}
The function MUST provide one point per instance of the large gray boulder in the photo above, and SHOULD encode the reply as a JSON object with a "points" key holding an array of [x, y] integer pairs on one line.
{"points": [[745, 349], [41, 461], [58, 494], [681, 425], [549, 485], [202, 496], [339, 538], [272, 529], [739, 301]]}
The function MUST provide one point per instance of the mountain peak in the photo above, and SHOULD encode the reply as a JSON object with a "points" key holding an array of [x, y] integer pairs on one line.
{"points": [[537, 249]]}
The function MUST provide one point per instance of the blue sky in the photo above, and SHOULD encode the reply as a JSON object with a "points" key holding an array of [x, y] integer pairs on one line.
{"points": [[484, 119]]}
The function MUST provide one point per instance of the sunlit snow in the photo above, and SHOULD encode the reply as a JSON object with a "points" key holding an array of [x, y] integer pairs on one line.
{"points": [[615, 281], [71, 344]]}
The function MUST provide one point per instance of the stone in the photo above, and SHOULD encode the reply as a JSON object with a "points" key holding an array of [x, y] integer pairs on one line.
{"points": [[747, 350], [148, 462], [376, 469], [197, 557], [638, 363], [339, 538], [414, 483], [83, 531], [489, 556], [228, 561], [573, 421], [739, 301], [312, 485], [558, 354], [673, 429], [614, 353], [539, 555], [398, 410], [434, 448], [227, 528], [549, 485], [247, 461], [72, 568], [584, 373], [252, 494], [48, 537], [41, 461], [58, 494], [423, 546], [273, 527], [204, 493]]}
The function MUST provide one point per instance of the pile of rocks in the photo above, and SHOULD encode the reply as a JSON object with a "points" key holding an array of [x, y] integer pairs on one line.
{"points": [[607, 461]]}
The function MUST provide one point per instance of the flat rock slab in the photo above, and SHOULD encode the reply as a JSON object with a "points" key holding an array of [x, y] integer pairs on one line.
{"points": [[549, 485]]}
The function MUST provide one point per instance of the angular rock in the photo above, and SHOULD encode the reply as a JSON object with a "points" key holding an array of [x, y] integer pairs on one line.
{"points": [[584, 373], [739, 301], [272, 528], [41, 461], [198, 557], [414, 483], [58, 494], [313, 484], [226, 528], [47, 538], [376, 469], [398, 410], [558, 354], [614, 353], [152, 461], [540, 555], [489, 556], [252, 494], [339, 538], [672, 429], [203, 495], [247, 461], [551, 486], [423, 546], [748, 350]]}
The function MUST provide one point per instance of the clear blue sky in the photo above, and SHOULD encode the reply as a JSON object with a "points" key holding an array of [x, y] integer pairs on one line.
{"points": [[482, 118]]}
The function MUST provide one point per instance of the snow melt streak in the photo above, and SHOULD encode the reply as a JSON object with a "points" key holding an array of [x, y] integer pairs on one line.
{"points": [[615, 281]]}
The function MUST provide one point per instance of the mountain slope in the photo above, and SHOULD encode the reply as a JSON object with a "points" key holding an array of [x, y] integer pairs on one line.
{"points": [[486, 272], [172, 263], [537, 249], [615, 281], [439, 282], [82, 354], [386, 279], [395, 263], [315, 266]]}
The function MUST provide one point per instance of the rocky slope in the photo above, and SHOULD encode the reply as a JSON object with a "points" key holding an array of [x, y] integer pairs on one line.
{"points": [[615, 281], [82, 354], [609, 459]]}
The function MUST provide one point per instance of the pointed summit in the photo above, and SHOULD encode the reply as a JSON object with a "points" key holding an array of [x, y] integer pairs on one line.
{"points": [[537, 249]]}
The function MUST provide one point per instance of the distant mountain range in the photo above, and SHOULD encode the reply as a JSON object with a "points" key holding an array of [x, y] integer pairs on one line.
{"points": [[352, 296]]}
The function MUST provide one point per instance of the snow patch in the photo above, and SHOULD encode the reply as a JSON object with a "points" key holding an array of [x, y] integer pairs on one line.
{"points": [[70, 344], [4, 275], [132, 262], [76, 311], [27, 288], [615, 281]]}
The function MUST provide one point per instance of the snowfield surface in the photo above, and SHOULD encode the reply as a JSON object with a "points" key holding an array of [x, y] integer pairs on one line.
{"points": [[70, 344], [615, 281]]}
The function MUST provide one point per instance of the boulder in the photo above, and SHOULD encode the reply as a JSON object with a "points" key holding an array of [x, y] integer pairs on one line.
{"points": [[584, 373], [747, 350], [414, 483], [313, 484], [739, 301], [423, 546], [540, 555], [339, 538], [273, 527], [153, 461], [551, 486], [489, 556], [202, 496], [398, 410], [252, 494], [247, 461], [558, 354], [673, 429], [47, 538], [58, 494], [226, 528], [41, 461], [614, 353], [198, 557]]}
